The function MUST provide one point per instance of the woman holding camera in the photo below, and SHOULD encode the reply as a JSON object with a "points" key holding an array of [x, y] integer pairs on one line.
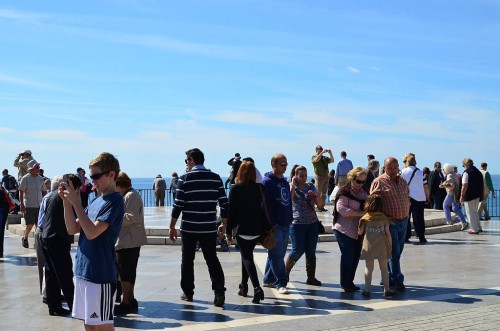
{"points": [[305, 225]]}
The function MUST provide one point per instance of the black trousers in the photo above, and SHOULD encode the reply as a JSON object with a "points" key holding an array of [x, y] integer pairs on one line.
{"points": [[58, 271], [208, 245], [248, 268], [4, 214], [417, 212]]}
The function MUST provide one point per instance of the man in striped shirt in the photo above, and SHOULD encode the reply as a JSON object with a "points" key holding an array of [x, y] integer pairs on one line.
{"points": [[396, 198], [198, 193]]}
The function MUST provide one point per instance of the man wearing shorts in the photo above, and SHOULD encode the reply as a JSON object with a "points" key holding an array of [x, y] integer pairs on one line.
{"points": [[31, 191], [99, 226]]}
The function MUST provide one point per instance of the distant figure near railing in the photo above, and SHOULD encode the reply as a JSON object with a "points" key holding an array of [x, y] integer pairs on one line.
{"points": [[148, 198]]}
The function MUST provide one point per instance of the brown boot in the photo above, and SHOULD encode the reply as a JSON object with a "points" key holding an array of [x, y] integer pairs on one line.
{"points": [[311, 273], [288, 267]]}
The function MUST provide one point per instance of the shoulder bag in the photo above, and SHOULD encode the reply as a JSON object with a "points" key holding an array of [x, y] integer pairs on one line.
{"points": [[267, 239]]}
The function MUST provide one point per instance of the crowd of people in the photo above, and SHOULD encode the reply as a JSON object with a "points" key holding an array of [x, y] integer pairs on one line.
{"points": [[372, 206]]}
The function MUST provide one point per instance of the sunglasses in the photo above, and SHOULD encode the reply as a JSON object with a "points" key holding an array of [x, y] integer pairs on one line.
{"points": [[97, 176], [283, 164], [186, 160], [360, 181]]}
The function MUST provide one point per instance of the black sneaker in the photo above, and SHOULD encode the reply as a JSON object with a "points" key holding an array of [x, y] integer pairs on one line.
{"points": [[134, 304], [219, 299], [24, 242], [60, 311], [122, 309], [400, 287], [185, 297]]}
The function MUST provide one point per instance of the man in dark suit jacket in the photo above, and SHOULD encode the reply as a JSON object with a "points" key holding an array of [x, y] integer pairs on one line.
{"points": [[56, 248], [437, 194]]}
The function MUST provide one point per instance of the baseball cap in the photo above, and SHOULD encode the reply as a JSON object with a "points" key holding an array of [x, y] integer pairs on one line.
{"points": [[32, 164]]}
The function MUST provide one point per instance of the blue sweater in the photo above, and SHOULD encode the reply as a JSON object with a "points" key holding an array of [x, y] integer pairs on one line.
{"points": [[197, 195], [278, 202]]}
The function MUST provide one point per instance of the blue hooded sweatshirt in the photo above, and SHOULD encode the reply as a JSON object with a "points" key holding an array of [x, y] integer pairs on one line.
{"points": [[278, 202]]}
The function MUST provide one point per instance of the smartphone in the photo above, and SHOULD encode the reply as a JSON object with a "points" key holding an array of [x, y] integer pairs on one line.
{"points": [[65, 179]]}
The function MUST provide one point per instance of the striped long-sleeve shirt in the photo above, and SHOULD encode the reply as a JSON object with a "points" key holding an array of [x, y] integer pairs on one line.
{"points": [[198, 193]]}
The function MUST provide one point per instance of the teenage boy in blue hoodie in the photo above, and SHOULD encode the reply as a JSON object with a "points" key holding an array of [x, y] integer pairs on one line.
{"points": [[279, 207]]}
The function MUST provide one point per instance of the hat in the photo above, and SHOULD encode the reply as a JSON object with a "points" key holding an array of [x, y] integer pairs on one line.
{"points": [[32, 164], [26, 151], [78, 169], [159, 176]]}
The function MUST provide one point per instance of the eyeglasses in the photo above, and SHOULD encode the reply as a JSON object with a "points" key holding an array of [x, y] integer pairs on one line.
{"points": [[360, 181], [97, 176]]}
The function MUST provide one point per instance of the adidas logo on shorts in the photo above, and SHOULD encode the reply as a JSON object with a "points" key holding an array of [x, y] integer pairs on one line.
{"points": [[94, 315]]}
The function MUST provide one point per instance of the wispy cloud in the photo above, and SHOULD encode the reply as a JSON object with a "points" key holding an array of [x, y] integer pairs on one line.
{"points": [[353, 70], [4, 78], [23, 16]]}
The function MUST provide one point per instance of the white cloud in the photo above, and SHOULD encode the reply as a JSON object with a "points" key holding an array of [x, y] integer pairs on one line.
{"points": [[353, 70], [26, 82]]}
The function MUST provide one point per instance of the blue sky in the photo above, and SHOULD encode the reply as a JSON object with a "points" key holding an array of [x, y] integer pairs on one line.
{"points": [[147, 80]]}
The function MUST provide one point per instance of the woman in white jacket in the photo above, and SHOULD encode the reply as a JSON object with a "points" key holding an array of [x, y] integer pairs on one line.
{"points": [[132, 237]]}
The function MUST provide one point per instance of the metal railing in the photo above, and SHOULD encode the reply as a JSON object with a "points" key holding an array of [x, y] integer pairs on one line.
{"points": [[494, 204], [148, 198]]}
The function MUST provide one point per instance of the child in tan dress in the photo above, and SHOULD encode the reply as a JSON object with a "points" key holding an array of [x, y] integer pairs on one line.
{"points": [[377, 243]]}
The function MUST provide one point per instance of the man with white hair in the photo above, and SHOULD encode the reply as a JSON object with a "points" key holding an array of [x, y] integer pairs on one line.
{"points": [[31, 191]]}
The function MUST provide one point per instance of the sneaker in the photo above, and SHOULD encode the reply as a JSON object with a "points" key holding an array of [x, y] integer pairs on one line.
{"points": [[389, 294], [134, 304], [219, 299], [472, 232], [185, 297], [123, 309], [400, 287], [24, 242], [464, 226], [283, 290], [60, 311], [270, 285]]}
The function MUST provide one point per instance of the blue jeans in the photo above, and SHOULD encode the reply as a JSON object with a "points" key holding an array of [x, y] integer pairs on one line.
{"points": [[304, 238], [449, 201], [398, 234], [275, 264], [350, 251]]}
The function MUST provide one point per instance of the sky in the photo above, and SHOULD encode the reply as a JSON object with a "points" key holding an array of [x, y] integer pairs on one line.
{"points": [[148, 80]]}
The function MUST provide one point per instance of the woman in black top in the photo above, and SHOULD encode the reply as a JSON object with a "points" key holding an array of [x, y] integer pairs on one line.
{"points": [[246, 218]]}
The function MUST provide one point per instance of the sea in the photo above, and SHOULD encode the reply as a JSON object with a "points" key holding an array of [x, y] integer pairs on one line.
{"points": [[147, 183]]}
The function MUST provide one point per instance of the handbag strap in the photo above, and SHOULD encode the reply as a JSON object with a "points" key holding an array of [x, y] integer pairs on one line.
{"points": [[413, 174], [264, 205]]}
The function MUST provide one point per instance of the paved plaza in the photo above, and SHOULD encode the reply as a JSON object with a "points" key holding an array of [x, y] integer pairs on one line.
{"points": [[452, 283]]}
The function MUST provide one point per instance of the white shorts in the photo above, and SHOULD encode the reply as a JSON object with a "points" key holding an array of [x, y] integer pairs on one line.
{"points": [[93, 302]]}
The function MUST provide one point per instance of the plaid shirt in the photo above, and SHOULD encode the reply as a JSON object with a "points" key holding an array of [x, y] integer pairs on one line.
{"points": [[395, 195]]}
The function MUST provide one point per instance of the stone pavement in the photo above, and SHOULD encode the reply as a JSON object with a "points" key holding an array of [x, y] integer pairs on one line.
{"points": [[452, 283]]}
